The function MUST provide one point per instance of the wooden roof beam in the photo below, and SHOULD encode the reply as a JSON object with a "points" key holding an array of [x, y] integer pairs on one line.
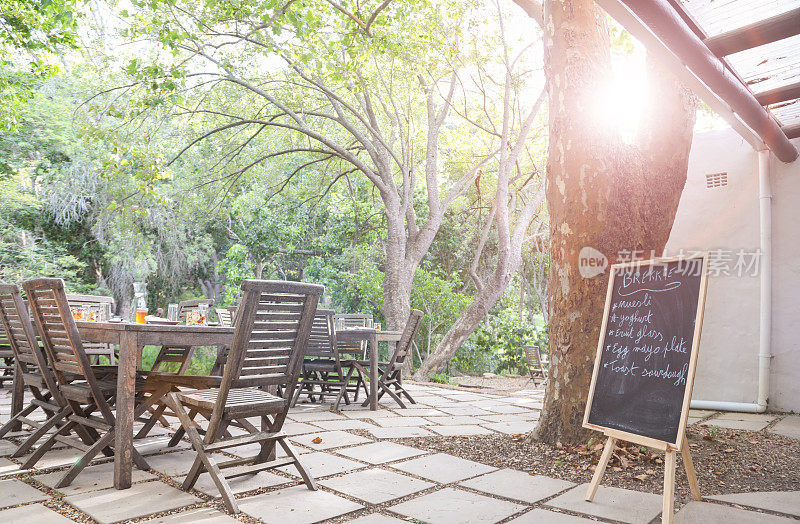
{"points": [[756, 34], [792, 131], [660, 19], [779, 94]]}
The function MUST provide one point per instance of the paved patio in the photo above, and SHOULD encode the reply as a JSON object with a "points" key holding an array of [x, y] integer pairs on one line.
{"points": [[366, 478]]}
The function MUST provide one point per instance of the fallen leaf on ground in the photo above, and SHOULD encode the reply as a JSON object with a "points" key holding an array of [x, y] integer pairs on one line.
{"points": [[317, 440]]}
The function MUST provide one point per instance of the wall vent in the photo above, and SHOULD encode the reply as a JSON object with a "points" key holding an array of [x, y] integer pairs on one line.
{"points": [[716, 180]]}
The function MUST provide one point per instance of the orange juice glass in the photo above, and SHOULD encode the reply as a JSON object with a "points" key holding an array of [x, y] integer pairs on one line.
{"points": [[140, 316]]}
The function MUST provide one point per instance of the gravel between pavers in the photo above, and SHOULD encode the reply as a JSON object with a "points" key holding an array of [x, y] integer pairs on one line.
{"points": [[726, 460]]}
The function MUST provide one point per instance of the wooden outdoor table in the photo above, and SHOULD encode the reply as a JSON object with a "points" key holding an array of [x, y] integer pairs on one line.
{"points": [[131, 339], [372, 337]]}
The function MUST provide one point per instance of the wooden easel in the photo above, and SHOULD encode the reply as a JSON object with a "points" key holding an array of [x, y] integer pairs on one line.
{"points": [[669, 448], [669, 476]]}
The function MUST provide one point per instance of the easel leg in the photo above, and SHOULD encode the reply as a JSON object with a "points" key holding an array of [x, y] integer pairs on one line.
{"points": [[601, 468], [669, 487], [694, 487]]}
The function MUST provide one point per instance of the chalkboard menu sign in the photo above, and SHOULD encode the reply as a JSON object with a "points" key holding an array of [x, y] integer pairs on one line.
{"points": [[647, 353]]}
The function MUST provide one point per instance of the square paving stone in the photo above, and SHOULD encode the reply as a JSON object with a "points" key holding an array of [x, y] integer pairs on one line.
{"points": [[381, 452], [173, 464], [747, 425], [373, 415], [401, 432], [262, 479], [788, 427], [33, 513], [454, 420], [779, 501], [17, 492], [376, 485], [459, 431], [296, 428], [92, 478], [611, 503], [543, 516], [507, 409], [343, 424], [328, 439], [297, 505], [518, 485], [750, 417], [443, 468], [8, 468], [251, 450], [57, 458], [454, 506], [377, 518], [420, 412], [511, 428], [198, 515], [323, 464], [158, 444], [140, 500], [401, 421], [465, 410], [7, 448], [696, 511], [314, 415]]}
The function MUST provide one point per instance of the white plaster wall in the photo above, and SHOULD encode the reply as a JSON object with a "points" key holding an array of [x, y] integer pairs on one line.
{"points": [[785, 383], [727, 218]]}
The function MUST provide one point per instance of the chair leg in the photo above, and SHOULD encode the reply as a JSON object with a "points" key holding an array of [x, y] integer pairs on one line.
{"points": [[84, 461], [40, 432], [181, 431], [14, 423], [304, 473], [202, 460], [46, 445]]}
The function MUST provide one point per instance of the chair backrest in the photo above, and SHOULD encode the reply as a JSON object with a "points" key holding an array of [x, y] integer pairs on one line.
{"points": [[270, 337], [224, 316], [533, 360], [18, 327], [406, 339], [352, 320], [322, 339], [60, 336], [187, 306]]}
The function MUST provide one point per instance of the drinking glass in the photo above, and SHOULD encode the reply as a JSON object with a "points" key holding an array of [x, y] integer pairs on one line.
{"points": [[172, 312], [105, 312], [203, 309], [77, 313]]}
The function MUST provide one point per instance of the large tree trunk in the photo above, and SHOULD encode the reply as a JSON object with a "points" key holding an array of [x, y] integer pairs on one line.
{"points": [[601, 193]]}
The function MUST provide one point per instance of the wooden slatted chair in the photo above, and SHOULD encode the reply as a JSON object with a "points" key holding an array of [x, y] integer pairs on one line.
{"points": [[6, 361], [35, 373], [324, 373], [356, 349], [533, 358], [182, 355], [85, 393], [390, 373], [93, 303], [270, 338]]}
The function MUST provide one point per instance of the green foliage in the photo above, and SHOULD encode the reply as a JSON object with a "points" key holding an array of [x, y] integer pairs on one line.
{"points": [[440, 378], [496, 345], [31, 31]]}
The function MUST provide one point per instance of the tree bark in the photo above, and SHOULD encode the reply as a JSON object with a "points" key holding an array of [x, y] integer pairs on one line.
{"points": [[601, 193]]}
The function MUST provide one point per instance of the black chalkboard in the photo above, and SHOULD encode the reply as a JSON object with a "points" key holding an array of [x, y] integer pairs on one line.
{"points": [[647, 351]]}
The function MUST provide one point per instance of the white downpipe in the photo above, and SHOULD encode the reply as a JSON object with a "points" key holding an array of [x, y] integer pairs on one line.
{"points": [[765, 317]]}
